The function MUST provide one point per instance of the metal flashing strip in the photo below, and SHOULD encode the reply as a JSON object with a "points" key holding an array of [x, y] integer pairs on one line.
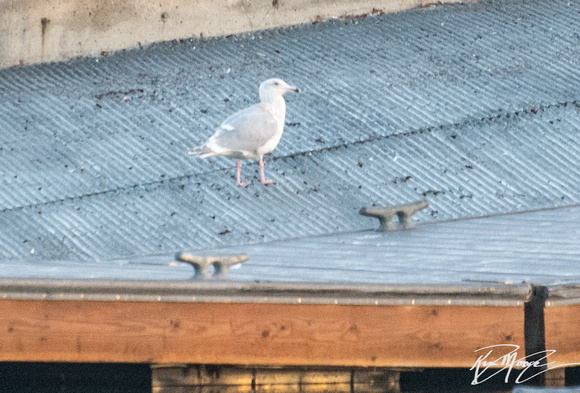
{"points": [[264, 292], [563, 294]]}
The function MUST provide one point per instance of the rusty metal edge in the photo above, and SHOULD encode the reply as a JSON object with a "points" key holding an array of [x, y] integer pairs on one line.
{"points": [[468, 294]]}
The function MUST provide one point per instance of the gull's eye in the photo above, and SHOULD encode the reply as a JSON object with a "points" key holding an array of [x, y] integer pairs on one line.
{"points": [[276, 84]]}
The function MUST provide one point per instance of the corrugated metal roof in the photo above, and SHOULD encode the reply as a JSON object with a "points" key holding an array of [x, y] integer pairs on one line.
{"points": [[434, 103], [540, 247]]}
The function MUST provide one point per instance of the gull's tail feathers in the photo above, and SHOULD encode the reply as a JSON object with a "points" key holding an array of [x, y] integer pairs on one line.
{"points": [[202, 151]]}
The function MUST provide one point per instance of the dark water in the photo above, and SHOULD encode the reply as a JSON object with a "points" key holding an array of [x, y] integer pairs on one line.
{"points": [[73, 378], [451, 380], [135, 378]]}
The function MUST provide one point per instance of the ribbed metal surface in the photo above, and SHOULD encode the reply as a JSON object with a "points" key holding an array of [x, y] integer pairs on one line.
{"points": [[433, 104], [538, 247]]}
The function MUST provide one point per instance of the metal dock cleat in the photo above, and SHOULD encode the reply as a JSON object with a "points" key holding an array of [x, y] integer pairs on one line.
{"points": [[201, 264], [385, 215]]}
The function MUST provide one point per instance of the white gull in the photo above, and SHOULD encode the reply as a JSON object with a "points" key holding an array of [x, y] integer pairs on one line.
{"points": [[251, 132]]}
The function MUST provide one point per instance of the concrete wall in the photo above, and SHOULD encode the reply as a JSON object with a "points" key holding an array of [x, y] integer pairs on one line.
{"points": [[33, 31]]}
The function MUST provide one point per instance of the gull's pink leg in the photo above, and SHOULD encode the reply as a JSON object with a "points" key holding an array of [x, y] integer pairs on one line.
{"points": [[262, 177], [238, 183]]}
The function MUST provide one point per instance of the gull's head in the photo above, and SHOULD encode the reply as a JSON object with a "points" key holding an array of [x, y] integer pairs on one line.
{"points": [[275, 87]]}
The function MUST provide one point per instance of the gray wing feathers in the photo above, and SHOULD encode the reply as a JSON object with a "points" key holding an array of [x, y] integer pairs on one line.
{"points": [[245, 131]]}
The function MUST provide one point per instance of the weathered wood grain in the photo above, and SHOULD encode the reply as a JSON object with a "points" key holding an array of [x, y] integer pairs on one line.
{"points": [[562, 330], [253, 334]]}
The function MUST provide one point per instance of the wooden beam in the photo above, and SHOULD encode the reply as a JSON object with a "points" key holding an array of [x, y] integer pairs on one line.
{"points": [[562, 329], [253, 334], [188, 378]]}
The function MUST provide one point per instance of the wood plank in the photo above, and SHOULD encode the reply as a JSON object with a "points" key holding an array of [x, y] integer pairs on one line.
{"points": [[555, 378], [562, 329], [169, 375], [204, 389], [278, 379], [336, 388], [253, 334]]}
